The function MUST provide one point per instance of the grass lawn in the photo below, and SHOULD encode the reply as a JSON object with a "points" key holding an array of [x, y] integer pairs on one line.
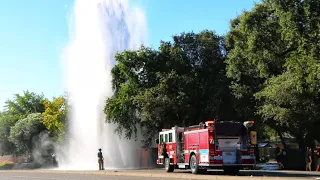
{"points": [[6, 165]]}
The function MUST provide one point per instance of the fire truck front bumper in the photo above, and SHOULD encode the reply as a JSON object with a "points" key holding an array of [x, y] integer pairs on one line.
{"points": [[160, 160]]}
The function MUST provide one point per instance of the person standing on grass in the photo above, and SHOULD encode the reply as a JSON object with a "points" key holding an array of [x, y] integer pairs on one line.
{"points": [[309, 159]]}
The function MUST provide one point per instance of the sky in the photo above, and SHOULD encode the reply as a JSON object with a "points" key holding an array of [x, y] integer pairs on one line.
{"points": [[34, 33]]}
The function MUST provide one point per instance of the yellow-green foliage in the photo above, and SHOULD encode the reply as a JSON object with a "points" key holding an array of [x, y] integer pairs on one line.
{"points": [[54, 116]]}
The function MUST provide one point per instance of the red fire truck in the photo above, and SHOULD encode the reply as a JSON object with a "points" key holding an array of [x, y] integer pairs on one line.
{"points": [[209, 145]]}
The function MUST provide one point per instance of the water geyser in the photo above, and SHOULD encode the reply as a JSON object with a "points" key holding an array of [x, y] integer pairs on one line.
{"points": [[98, 30]]}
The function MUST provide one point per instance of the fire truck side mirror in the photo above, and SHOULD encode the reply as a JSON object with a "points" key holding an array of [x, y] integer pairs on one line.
{"points": [[157, 141]]}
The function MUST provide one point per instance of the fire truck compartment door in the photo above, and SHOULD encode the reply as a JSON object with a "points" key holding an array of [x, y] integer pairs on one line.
{"points": [[229, 147], [229, 156]]}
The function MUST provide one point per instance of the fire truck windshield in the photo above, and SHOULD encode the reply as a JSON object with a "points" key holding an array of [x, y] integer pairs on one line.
{"points": [[230, 129]]}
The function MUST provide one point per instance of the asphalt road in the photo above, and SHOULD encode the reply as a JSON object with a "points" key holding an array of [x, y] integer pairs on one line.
{"points": [[152, 175], [49, 176]]}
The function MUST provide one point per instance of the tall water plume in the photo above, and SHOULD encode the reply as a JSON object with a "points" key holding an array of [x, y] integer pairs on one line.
{"points": [[98, 29]]}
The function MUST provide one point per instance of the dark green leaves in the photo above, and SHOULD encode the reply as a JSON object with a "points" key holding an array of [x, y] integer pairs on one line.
{"points": [[183, 83], [273, 61]]}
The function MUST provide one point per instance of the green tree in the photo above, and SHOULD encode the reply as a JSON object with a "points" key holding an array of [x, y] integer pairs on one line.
{"points": [[23, 132], [55, 115], [133, 73], [183, 83], [23, 105], [299, 107], [6, 147], [19, 107], [273, 56], [288, 106], [255, 53]]}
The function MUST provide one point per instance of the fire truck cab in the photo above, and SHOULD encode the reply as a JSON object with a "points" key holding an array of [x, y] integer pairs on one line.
{"points": [[209, 145]]}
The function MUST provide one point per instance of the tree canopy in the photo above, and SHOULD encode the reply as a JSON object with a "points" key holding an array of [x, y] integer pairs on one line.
{"points": [[273, 60], [23, 132], [26, 116], [22, 105], [182, 83], [55, 115], [19, 107]]}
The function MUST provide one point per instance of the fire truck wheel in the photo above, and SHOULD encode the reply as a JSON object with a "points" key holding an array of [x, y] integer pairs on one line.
{"points": [[194, 166], [167, 165]]}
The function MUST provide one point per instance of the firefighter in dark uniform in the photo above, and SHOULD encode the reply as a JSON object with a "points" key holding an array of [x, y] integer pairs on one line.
{"points": [[54, 160], [100, 160]]}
